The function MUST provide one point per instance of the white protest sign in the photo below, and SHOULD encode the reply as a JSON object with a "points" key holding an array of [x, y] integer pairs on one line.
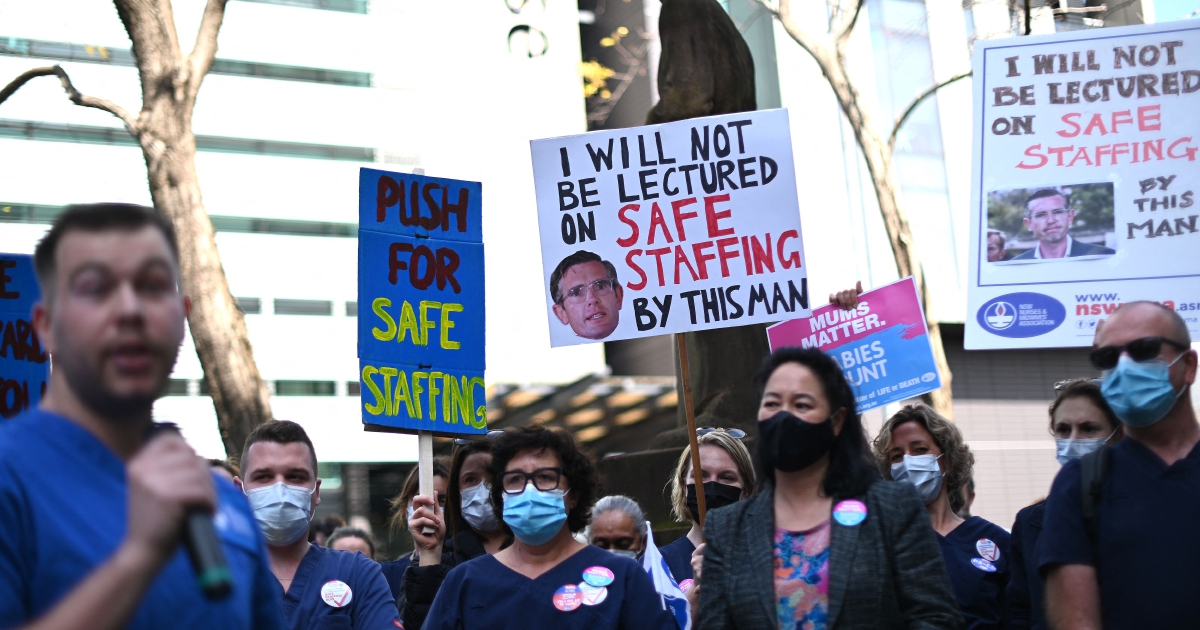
{"points": [[669, 228], [1084, 184]]}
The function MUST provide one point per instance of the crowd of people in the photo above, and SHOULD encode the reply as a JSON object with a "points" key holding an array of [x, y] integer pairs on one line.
{"points": [[821, 526]]}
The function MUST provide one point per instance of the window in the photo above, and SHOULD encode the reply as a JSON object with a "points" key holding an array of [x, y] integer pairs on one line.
{"points": [[27, 213], [303, 307], [177, 387], [249, 306], [353, 388], [352, 309], [305, 388], [345, 6]]}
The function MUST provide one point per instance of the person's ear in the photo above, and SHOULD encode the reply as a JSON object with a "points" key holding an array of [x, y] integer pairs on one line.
{"points": [[620, 294], [839, 420], [42, 325], [561, 314], [316, 495], [1027, 223], [237, 481]]}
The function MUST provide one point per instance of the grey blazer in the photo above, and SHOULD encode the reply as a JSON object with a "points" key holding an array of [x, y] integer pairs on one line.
{"points": [[886, 572]]}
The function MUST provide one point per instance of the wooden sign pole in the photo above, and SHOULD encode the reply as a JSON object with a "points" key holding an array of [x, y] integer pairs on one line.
{"points": [[685, 376], [425, 468]]}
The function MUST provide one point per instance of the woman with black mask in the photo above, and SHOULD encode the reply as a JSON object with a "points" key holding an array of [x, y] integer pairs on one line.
{"points": [[728, 477], [826, 543]]}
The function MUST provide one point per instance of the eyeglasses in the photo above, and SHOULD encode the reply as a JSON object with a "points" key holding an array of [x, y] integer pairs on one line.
{"points": [[1041, 216], [544, 479], [1061, 385], [1139, 350], [736, 434], [600, 288], [490, 435]]}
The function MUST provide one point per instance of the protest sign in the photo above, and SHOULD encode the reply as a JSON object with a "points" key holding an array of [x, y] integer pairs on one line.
{"points": [[670, 228], [1084, 182], [24, 364], [883, 345], [420, 284]]}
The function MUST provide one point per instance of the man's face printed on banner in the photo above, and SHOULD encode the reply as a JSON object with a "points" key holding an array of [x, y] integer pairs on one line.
{"points": [[591, 301]]}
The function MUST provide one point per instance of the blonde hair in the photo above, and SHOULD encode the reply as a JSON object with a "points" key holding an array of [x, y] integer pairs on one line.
{"points": [[956, 455], [720, 439]]}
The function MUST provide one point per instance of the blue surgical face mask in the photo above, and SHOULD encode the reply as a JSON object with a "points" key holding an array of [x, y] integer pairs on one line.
{"points": [[1140, 394], [1075, 448], [282, 512], [921, 471], [535, 516]]}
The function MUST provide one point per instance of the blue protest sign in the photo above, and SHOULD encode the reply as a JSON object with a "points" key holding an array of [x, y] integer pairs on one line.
{"points": [[421, 323], [24, 364], [883, 345]]}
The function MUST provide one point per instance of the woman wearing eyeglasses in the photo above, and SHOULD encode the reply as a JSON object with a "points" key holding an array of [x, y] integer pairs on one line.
{"points": [[546, 579], [474, 529], [1081, 422], [727, 473], [826, 543]]}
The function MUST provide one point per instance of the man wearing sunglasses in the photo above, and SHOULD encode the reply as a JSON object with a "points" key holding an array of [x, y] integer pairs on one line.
{"points": [[1049, 216], [1136, 566], [587, 296]]}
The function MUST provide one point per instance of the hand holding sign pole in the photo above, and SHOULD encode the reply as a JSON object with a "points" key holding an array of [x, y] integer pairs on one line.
{"points": [[671, 228], [421, 343]]}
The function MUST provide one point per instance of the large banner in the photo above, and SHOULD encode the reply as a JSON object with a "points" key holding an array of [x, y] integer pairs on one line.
{"points": [[669, 228], [883, 345], [1084, 182], [24, 364], [420, 291]]}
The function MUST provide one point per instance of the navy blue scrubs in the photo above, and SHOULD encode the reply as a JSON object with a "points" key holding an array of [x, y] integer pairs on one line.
{"points": [[1025, 587], [678, 555], [393, 572], [1148, 550], [483, 593], [63, 513], [977, 559], [369, 607]]}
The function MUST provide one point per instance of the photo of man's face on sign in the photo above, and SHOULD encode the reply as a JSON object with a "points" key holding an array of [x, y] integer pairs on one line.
{"points": [[1053, 223], [587, 295]]}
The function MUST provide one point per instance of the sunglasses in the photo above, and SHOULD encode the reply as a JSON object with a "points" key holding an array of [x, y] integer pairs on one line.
{"points": [[490, 435], [736, 434], [1140, 350]]}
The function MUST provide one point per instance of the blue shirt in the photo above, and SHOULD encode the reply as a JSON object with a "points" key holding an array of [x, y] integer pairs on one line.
{"points": [[1147, 549], [1025, 587], [63, 513], [393, 572], [483, 593], [977, 559], [678, 555], [369, 606]]}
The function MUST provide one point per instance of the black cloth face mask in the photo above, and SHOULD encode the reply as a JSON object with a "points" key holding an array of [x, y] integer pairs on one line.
{"points": [[788, 443], [715, 495]]}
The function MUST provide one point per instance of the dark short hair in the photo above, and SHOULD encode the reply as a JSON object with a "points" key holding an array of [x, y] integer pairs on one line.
{"points": [[351, 532], [324, 525], [578, 258], [279, 432], [1047, 192], [577, 467], [96, 217], [851, 466], [399, 518], [1085, 388], [227, 465]]}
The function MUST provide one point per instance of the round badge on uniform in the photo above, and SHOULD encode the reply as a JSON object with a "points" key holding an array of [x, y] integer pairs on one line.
{"points": [[593, 595], [568, 597], [987, 550], [983, 565], [686, 585], [850, 512], [598, 576], [336, 593]]}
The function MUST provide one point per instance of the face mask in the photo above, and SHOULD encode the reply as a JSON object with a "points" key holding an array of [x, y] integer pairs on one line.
{"points": [[788, 443], [535, 516], [625, 553], [715, 495], [1140, 394], [410, 513], [921, 471], [282, 512], [1074, 448], [477, 508]]}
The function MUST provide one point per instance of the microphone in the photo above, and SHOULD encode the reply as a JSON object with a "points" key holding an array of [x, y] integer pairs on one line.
{"points": [[203, 546]]}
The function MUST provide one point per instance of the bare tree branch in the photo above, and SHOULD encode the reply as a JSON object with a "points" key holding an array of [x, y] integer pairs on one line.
{"points": [[131, 122], [151, 27], [206, 42], [844, 35], [913, 106], [784, 14]]}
